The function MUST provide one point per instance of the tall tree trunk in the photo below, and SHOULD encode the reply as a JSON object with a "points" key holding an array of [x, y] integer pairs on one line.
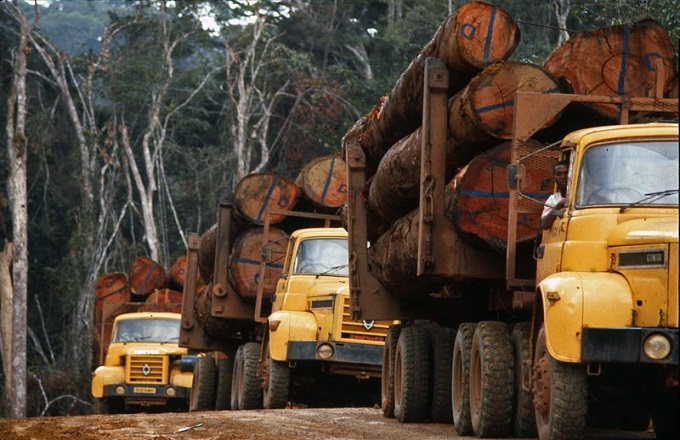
{"points": [[17, 145], [6, 299]]}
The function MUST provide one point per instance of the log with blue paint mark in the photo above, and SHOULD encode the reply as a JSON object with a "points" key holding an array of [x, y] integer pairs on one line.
{"points": [[258, 192], [475, 36], [480, 117], [477, 199], [615, 61], [323, 181]]}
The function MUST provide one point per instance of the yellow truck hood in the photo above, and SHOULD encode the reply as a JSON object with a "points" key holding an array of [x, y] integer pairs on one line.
{"points": [[644, 231]]}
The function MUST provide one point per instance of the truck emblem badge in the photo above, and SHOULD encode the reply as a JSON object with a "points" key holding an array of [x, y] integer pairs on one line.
{"points": [[146, 370], [368, 324]]}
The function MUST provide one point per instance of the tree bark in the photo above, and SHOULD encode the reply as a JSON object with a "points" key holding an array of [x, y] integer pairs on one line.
{"points": [[17, 145], [614, 61], [480, 116], [6, 336]]}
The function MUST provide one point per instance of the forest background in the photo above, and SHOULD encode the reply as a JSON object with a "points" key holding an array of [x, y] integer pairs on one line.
{"points": [[139, 114]]}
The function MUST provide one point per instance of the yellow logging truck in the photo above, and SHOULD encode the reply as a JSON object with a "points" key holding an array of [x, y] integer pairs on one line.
{"points": [[140, 362], [299, 343], [588, 338]]}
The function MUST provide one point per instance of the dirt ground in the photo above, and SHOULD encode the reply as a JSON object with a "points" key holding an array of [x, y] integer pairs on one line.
{"points": [[293, 424]]}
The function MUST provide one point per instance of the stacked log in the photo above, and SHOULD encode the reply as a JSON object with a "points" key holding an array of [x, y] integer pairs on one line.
{"points": [[257, 192], [477, 200], [145, 276], [112, 287], [323, 181], [475, 36], [244, 262], [480, 116], [615, 61]]}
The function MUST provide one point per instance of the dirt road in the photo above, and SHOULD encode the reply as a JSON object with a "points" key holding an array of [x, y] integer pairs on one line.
{"points": [[289, 424]]}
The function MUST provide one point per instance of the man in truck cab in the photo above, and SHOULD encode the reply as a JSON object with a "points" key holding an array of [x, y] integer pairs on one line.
{"points": [[554, 206]]}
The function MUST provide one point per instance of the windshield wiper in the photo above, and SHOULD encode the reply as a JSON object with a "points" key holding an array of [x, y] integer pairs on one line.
{"points": [[651, 197], [333, 269]]}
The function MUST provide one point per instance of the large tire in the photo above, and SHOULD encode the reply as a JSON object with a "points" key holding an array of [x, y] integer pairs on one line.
{"points": [[202, 396], [277, 384], [523, 415], [491, 380], [238, 366], [460, 379], [250, 384], [387, 378], [411, 375], [225, 370], [441, 339], [560, 395]]}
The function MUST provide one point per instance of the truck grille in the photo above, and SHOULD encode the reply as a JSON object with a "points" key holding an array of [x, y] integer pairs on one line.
{"points": [[146, 369], [369, 331]]}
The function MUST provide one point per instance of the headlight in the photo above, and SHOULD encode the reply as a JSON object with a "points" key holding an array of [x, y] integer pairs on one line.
{"points": [[657, 346], [170, 392], [325, 351], [120, 390]]}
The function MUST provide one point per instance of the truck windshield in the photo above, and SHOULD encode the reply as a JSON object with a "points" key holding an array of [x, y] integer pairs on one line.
{"points": [[146, 330], [327, 256], [639, 173]]}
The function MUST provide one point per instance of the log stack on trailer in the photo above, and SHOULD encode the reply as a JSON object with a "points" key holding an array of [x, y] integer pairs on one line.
{"points": [[429, 213]]}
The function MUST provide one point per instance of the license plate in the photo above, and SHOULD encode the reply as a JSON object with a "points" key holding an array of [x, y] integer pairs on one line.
{"points": [[144, 390]]}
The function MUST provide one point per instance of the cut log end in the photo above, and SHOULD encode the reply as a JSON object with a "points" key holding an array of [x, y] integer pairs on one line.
{"points": [[258, 192], [324, 181], [492, 94], [484, 34]]}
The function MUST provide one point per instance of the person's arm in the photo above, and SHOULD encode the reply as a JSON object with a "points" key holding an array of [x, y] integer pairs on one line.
{"points": [[548, 218]]}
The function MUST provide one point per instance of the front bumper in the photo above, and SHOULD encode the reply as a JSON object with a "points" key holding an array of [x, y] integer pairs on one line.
{"points": [[342, 352], [146, 392], [624, 345]]}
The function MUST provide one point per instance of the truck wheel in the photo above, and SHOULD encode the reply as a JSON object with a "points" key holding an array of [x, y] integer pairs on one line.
{"points": [[411, 375], [277, 384], [238, 366], [225, 369], [250, 384], [441, 339], [203, 385], [560, 395], [387, 379], [460, 378], [523, 416], [491, 380]]}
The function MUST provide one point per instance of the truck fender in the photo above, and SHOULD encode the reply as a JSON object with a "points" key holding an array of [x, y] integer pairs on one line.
{"points": [[285, 326], [571, 301], [106, 376]]}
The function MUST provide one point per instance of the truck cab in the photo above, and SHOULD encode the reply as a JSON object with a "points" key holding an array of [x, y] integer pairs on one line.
{"points": [[310, 326], [607, 279], [144, 365]]}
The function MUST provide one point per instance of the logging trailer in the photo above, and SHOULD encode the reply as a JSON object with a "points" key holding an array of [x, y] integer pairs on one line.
{"points": [[261, 353], [585, 336], [140, 363]]}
